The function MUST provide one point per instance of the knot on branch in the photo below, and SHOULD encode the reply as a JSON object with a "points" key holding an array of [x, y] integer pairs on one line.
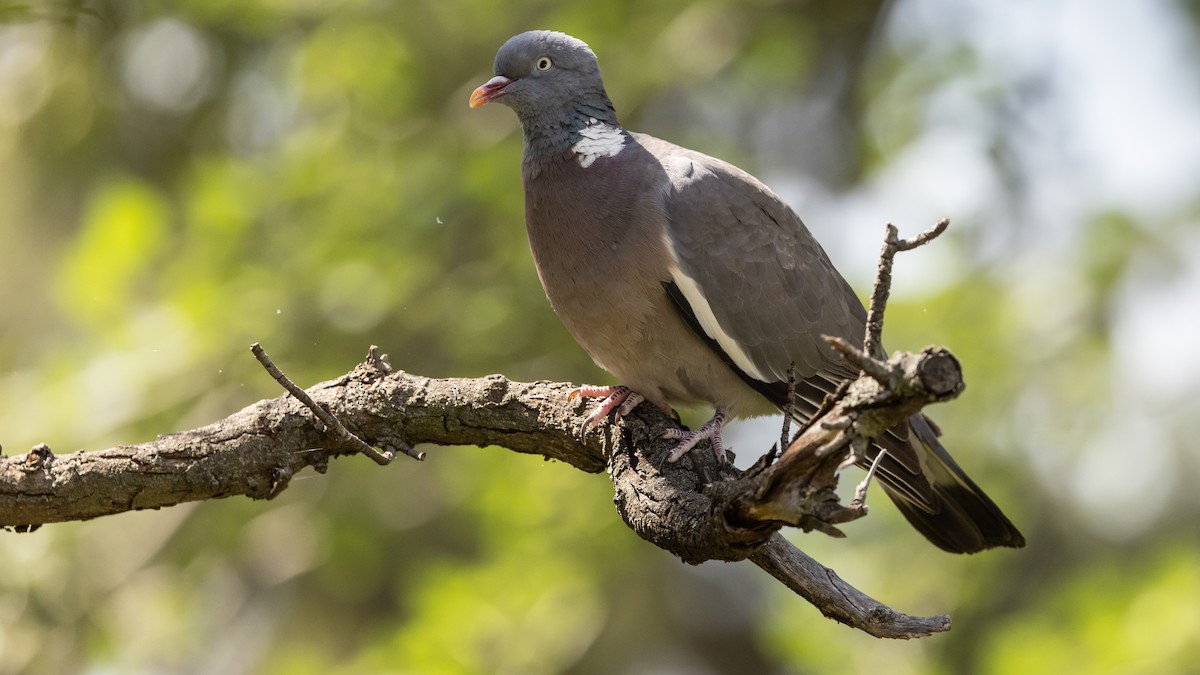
{"points": [[941, 373], [37, 459]]}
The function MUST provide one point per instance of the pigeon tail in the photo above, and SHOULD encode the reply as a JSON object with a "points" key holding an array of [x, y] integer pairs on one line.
{"points": [[958, 516]]}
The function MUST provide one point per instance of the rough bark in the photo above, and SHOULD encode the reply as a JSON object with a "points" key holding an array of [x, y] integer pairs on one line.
{"points": [[256, 451]]}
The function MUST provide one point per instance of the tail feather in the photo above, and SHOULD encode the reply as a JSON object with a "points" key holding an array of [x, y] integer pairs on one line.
{"points": [[955, 514]]}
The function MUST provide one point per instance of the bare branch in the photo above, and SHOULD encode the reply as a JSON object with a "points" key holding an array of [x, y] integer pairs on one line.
{"points": [[892, 244], [837, 599], [256, 451]]}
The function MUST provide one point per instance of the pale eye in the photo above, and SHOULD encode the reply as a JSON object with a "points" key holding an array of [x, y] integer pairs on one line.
{"points": [[544, 63]]}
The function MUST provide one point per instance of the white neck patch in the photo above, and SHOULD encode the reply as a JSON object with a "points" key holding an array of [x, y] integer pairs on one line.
{"points": [[598, 140]]}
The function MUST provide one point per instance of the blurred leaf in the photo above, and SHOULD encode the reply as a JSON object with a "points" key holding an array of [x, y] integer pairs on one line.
{"points": [[1110, 619], [124, 229]]}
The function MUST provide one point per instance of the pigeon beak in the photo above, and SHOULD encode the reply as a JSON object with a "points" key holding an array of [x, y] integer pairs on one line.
{"points": [[490, 90]]}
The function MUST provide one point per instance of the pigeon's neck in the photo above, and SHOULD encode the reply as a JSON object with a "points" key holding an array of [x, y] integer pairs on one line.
{"points": [[583, 134]]}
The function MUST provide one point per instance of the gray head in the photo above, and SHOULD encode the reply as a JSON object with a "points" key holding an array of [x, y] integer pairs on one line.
{"points": [[550, 79]]}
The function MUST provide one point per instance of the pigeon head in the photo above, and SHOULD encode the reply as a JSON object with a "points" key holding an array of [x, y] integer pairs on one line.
{"points": [[550, 79]]}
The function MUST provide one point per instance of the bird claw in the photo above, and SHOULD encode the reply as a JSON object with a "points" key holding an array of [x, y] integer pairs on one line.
{"points": [[690, 439], [622, 400]]}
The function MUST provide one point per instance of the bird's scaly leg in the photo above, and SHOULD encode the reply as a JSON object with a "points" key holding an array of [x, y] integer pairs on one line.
{"points": [[622, 399], [688, 439]]}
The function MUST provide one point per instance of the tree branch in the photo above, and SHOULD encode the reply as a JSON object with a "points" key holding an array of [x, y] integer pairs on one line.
{"points": [[696, 508], [256, 451], [892, 244]]}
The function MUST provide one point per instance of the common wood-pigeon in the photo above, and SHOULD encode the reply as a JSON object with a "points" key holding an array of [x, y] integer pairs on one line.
{"points": [[692, 282]]}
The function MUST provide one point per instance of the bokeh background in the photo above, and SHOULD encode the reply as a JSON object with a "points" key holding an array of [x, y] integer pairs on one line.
{"points": [[180, 179]]}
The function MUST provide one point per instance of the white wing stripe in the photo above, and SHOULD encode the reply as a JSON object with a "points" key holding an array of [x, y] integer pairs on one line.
{"points": [[708, 321]]}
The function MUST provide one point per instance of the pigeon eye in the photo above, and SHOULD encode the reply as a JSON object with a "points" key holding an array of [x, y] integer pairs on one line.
{"points": [[544, 63]]}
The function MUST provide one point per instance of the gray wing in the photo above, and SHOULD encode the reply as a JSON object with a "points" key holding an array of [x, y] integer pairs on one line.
{"points": [[760, 284], [752, 281]]}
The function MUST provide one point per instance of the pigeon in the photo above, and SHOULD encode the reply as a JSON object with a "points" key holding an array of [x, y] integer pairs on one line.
{"points": [[693, 283]]}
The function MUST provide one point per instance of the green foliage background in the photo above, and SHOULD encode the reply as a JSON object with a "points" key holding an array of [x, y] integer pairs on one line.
{"points": [[178, 180]]}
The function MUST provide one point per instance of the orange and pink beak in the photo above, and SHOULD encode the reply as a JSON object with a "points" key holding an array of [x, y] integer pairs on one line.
{"points": [[489, 91]]}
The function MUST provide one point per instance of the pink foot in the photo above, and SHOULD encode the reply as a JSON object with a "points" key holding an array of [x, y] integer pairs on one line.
{"points": [[622, 399], [688, 439]]}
